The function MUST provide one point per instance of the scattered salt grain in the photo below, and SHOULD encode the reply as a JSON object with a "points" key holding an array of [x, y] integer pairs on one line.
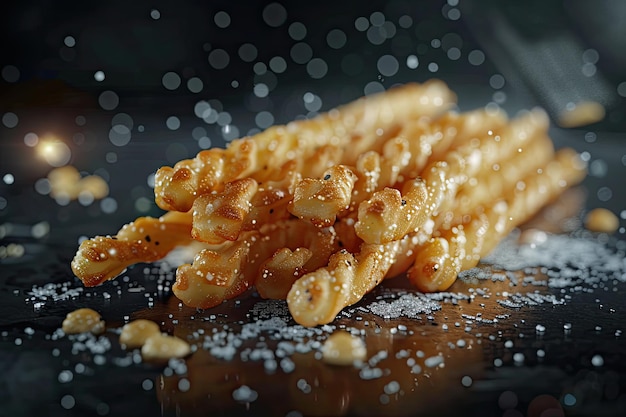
{"points": [[245, 394]]}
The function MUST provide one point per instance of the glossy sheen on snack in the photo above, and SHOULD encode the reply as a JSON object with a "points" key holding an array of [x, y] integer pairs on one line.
{"points": [[320, 211]]}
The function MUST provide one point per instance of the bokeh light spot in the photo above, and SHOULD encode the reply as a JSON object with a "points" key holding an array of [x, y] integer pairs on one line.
{"points": [[10, 120], [222, 19], [195, 85], [171, 80], [301, 53], [317, 68], [297, 31], [274, 14], [336, 38], [219, 59], [108, 100], [387, 65], [10, 73], [172, 123]]}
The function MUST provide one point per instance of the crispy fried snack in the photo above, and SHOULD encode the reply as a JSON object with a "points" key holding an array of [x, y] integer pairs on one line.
{"points": [[320, 211], [388, 215], [348, 127], [439, 260], [317, 297], [270, 258], [147, 239], [320, 201]]}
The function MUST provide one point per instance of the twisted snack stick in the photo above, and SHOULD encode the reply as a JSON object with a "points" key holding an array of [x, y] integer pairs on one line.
{"points": [[430, 141], [388, 215], [317, 297], [147, 239], [319, 201], [270, 258], [480, 190], [439, 260], [218, 217], [243, 205], [258, 156]]}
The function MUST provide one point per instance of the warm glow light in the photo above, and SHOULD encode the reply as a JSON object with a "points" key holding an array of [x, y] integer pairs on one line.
{"points": [[54, 151]]}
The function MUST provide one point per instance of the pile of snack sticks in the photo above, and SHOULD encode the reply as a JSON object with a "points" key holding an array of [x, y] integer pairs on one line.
{"points": [[320, 211]]}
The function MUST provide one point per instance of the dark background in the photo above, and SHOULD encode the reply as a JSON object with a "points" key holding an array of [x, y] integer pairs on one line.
{"points": [[562, 51]]}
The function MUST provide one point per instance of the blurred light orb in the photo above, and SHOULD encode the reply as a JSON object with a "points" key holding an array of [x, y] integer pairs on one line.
{"points": [[8, 179], [108, 205], [412, 61], [301, 53], [195, 85], [108, 100], [119, 135], [69, 41], [171, 80], [317, 68], [388, 65], [10, 73], [336, 39], [155, 14], [222, 19], [31, 139], [247, 52], [621, 89], [99, 76], [297, 31], [54, 151], [476, 57], [261, 90], [10, 120], [361, 24], [373, 87], [172, 123], [219, 59], [123, 119], [278, 64], [264, 119], [274, 14]]}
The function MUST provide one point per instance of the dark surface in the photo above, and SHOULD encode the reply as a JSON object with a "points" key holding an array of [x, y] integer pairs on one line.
{"points": [[44, 372]]}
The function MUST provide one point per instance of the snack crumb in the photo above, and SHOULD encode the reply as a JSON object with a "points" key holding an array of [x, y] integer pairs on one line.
{"points": [[83, 320], [601, 220], [135, 333], [342, 348], [161, 347]]}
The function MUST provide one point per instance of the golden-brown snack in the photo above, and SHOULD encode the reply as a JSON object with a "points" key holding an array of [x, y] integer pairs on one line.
{"points": [[439, 260], [348, 127], [320, 201], [320, 211], [147, 239], [482, 189], [257, 258], [387, 217], [218, 217], [317, 297]]}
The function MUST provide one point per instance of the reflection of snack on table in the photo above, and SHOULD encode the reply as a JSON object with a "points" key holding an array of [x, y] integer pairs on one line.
{"points": [[320, 211]]}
